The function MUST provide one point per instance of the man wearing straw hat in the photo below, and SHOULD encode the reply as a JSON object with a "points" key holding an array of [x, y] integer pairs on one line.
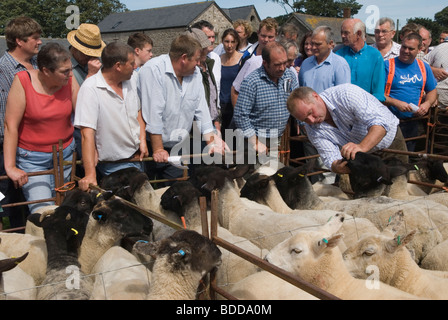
{"points": [[85, 47]]}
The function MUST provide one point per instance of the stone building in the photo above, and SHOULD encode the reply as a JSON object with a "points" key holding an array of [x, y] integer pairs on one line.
{"points": [[165, 23]]}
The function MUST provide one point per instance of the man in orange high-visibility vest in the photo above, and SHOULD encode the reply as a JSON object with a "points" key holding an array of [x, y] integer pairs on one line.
{"points": [[410, 88]]}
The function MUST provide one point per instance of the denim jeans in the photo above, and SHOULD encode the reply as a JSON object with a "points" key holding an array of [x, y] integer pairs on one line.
{"points": [[107, 168], [43, 186]]}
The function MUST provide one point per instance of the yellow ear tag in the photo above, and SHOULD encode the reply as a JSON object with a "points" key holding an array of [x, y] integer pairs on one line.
{"points": [[280, 175], [75, 231]]}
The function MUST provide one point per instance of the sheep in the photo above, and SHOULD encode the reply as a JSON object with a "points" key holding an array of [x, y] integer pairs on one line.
{"points": [[395, 265], [314, 256], [17, 244], [15, 284], [109, 222], [296, 187], [264, 228], [119, 275], [264, 285], [183, 198], [437, 258], [64, 230], [181, 261]]}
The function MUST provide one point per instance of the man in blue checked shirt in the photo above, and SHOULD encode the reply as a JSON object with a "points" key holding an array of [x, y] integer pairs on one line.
{"points": [[344, 120], [260, 111]]}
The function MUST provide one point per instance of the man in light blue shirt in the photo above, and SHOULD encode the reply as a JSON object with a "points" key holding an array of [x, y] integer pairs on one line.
{"points": [[366, 63], [172, 97], [324, 69], [342, 121]]}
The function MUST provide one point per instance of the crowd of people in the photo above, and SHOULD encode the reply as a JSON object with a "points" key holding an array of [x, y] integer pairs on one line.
{"points": [[116, 102]]}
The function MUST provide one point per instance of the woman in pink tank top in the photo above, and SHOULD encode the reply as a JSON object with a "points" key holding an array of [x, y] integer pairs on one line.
{"points": [[38, 114]]}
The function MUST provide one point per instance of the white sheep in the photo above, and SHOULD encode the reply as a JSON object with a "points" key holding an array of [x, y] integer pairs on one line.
{"points": [[314, 256], [437, 258], [395, 265], [119, 275], [17, 244], [15, 284], [264, 285], [181, 261]]}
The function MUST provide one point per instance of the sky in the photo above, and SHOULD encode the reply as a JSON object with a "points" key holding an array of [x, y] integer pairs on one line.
{"points": [[371, 11]]}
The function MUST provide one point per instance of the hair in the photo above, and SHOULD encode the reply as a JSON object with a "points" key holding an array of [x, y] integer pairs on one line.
{"points": [[115, 52], [287, 44], [360, 26], [382, 21], [245, 24], [302, 43], [20, 28], [51, 55], [329, 34], [409, 28], [301, 93], [202, 24], [414, 36], [289, 28], [184, 44], [266, 52], [233, 33], [139, 40], [269, 24]]}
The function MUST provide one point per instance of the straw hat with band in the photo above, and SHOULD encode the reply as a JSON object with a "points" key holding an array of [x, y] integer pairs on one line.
{"points": [[199, 35], [87, 39]]}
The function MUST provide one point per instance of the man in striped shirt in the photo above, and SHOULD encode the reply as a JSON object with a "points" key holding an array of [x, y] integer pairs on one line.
{"points": [[342, 121]]}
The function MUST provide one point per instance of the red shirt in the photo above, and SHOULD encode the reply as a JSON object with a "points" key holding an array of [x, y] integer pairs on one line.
{"points": [[47, 119]]}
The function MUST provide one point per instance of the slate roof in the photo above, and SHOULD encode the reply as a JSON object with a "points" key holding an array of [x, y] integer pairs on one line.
{"points": [[156, 18], [241, 12]]}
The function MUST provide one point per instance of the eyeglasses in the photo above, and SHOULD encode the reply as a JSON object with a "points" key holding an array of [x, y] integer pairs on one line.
{"points": [[378, 31]]}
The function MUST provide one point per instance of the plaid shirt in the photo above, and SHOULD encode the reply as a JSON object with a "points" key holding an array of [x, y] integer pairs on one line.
{"points": [[261, 106], [354, 111], [8, 69]]}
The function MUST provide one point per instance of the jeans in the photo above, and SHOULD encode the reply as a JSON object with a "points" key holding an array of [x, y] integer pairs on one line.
{"points": [[106, 169], [43, 186]]}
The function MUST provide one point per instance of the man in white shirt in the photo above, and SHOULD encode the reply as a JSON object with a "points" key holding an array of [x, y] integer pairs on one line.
{"points": [[173, 96], [108, 112], [384, 35]]}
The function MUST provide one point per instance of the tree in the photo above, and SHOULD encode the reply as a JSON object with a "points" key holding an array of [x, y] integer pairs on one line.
{"points": [[330, 8], [440, 23], [52, 16], [442, 17]]}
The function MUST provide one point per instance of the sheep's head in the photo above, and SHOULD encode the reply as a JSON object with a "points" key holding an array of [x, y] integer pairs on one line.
{"points": [[177, 197], [184, 250], [380, 251], [368, 171], [292, 183], [124, 182], [121, 218], [80, 200], [256, 187]]}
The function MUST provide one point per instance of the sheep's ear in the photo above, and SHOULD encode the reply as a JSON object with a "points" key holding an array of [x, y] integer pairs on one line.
{"points": [[99, 216], [394, 223], [183, 254], [330, 242], [35, 219], [146, 248], [8, 264], [399, 241], [397, 170]]}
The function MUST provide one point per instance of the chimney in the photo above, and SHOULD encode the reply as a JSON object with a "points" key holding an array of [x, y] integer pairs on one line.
{"points": [[347, 13]]}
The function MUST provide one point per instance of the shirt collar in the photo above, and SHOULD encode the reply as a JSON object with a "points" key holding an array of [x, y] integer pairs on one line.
{"points": [[18, 65]]}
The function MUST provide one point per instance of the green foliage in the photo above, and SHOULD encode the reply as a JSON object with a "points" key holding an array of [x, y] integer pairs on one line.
{"points": [[51, 14], [442, 17], [329, 8], [436, 26]]}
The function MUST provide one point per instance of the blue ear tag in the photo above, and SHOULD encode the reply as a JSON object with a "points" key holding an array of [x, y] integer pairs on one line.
{"points": [[100, 216], [182, 252], [324, 240]]}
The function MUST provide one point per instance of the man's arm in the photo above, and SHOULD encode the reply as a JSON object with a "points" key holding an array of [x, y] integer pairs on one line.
{"points": [[159, 154], [374, 136], [89, 158]]}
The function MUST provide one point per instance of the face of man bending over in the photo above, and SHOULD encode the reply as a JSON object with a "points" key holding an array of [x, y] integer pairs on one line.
{"points": [[310, 109]]}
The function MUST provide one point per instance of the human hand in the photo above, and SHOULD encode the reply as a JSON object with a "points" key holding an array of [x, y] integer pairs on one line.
{"points": [[160, 155], [340, 166], [84, 183], [349, 150], [93, 66], [18, 177]]}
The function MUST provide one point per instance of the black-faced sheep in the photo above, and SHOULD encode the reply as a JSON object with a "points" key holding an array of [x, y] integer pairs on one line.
{"points": [[181, 261], [64, 230], [124, 182], [110, 221], [183, 198], [15, 284]]}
